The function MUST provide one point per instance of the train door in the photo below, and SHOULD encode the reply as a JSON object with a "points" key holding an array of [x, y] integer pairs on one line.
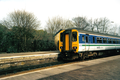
{"points": [[87, 42], [67, 40]]}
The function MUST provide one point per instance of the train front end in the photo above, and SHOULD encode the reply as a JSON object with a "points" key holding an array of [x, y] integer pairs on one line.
{"points": [[69, 44]]}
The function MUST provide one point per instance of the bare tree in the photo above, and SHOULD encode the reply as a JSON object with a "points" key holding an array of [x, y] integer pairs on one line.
{"points": [[119, 30], [97, 24], [81, 22], [68, 24], [114, 30], [102, 24], [21, 19], [90, 26], [22, 24], [54, 24], [57, 23], [105, 23]]}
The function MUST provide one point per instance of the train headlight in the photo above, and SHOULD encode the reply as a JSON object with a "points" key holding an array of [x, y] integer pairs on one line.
{"points": [[61, 47], [74, 47]]}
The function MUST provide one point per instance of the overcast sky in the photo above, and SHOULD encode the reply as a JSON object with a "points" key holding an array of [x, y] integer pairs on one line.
{"points": [[44, 9]]}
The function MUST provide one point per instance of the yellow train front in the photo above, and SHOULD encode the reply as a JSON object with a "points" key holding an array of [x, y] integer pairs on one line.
{"points": [[68, 44]]}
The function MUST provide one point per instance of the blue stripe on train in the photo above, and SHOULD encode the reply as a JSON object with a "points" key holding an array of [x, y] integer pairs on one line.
{"points": [[90, 38]]}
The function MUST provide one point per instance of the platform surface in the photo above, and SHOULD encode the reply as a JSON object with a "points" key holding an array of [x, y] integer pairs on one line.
{"points": [[100, 69], [26, 53]]}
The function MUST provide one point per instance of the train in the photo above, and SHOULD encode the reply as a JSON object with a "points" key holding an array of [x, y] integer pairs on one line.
{"points": [[75, 43]]}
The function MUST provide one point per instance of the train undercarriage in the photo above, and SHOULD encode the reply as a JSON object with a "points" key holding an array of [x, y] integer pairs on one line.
{"points": [[83, 55]]}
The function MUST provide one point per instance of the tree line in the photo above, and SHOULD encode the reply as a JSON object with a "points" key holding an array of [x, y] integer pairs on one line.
{"points": [[101, 25], [18, 32]]}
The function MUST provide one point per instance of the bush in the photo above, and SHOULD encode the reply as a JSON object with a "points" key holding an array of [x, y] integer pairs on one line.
{"points": [[44, 45]]}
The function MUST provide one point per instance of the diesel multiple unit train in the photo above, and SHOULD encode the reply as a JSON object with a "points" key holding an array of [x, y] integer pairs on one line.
{"points": [[76, 43]]}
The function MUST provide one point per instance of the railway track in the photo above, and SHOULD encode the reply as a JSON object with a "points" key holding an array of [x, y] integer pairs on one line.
{"points": [[27, 65], [30, 68]]}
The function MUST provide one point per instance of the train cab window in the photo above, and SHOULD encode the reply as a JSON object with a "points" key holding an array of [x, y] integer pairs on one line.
{"points": [[104, 40], [99, 40], [61, 37], [86, 39], [93, 39], [83, 38], [74, 36]]}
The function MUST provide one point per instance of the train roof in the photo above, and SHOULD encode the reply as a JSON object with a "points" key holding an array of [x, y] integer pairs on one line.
{"points": [[58, 32], [91, 32]]}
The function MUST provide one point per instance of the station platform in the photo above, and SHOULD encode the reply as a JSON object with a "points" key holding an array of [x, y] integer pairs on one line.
{"points": [[9, 60], [26, 53], [100, 69]]}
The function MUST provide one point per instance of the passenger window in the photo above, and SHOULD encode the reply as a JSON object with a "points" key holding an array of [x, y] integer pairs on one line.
{"points": [[86, 39], [99, 40], [117, 41], [83, 38], [74, 36], [104, 40], [109, 41], [113, 41], [93, 39]]}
